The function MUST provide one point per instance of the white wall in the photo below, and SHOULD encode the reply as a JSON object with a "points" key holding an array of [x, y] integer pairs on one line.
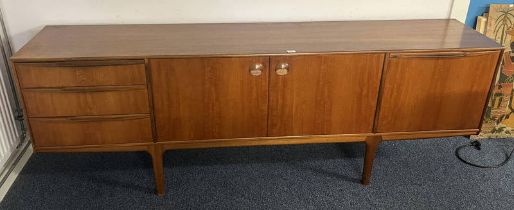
{"points": [[459, 10], [24, 18]]}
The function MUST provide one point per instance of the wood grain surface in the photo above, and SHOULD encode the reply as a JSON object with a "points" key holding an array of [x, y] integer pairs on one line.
{"points": [[41, 75], [324, 94], [209, 98], [96, 130], [161, 40], [435, 91], [100, 100]]}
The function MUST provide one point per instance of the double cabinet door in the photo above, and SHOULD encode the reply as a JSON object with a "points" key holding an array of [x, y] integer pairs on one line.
{"points": [[244, 97], [300, 95]]}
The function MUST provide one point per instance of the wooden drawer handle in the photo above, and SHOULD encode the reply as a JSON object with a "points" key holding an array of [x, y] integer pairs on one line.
{"points": [[88, 89], [88, 63], [96, 118], [438, 55]]}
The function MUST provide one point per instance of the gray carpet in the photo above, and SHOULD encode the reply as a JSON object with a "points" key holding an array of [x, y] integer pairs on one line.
{"points": [[421, 174]]}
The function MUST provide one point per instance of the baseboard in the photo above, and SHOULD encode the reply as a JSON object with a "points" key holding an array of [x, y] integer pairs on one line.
{"points": [[15, 170]]}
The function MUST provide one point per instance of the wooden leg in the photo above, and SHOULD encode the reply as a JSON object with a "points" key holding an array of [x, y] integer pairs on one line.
{"points": [[372, 143], [157, 153]]}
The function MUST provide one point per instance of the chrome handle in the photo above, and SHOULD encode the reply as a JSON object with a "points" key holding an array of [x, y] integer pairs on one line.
{"points": [[282, 69], [256, 69]]}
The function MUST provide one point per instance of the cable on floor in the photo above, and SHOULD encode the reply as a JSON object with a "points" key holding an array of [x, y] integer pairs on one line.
{"points": [[478, 146]]}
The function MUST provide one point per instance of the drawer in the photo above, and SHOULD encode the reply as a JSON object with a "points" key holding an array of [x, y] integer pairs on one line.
{"points": [[71, 74], [95, 130], [77, 101]]}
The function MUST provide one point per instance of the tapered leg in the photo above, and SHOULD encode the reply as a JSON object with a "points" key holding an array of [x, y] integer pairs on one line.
{"points": [[156, 151], [372, 143]]}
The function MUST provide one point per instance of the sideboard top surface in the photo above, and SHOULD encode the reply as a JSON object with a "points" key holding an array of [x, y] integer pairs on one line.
{"points": [[84, 42]]}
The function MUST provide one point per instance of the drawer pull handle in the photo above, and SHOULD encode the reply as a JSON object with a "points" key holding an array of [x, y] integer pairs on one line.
{"points": [[88, 89], [282, 69], [256, 69], [87, 63], [440, 55], [94, 118], [430, 56]]}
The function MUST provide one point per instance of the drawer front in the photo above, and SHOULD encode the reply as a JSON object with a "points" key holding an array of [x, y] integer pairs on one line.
{"points": [[47, 132], [435, 91], [81, 74], [106, 100]]}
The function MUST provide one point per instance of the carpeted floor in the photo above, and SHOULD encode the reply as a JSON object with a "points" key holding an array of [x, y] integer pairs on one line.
{"points": [[407, 175]]}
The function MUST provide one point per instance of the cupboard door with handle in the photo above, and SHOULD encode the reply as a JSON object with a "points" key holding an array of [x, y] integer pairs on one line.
{"points": [[210, 98], [323, 94], [435, 91]]}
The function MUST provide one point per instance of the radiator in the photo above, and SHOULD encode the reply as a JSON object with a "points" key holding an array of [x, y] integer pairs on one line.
{"points": [[9, 134], [11, 124]]}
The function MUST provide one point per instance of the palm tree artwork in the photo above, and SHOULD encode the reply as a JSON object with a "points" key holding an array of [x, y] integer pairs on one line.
{"points": [[501, 20]]}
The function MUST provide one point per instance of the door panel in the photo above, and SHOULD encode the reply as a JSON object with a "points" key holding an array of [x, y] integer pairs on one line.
{"points": [[324, 94], [210, 98], [435, 91]]}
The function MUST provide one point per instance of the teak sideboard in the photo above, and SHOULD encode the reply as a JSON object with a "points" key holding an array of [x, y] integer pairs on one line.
{"points": [[89, 88]]}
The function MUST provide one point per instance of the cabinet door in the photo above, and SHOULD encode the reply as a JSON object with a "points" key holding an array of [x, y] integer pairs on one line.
{"points": [[323, 94], [435, 91], [210, 98]]}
